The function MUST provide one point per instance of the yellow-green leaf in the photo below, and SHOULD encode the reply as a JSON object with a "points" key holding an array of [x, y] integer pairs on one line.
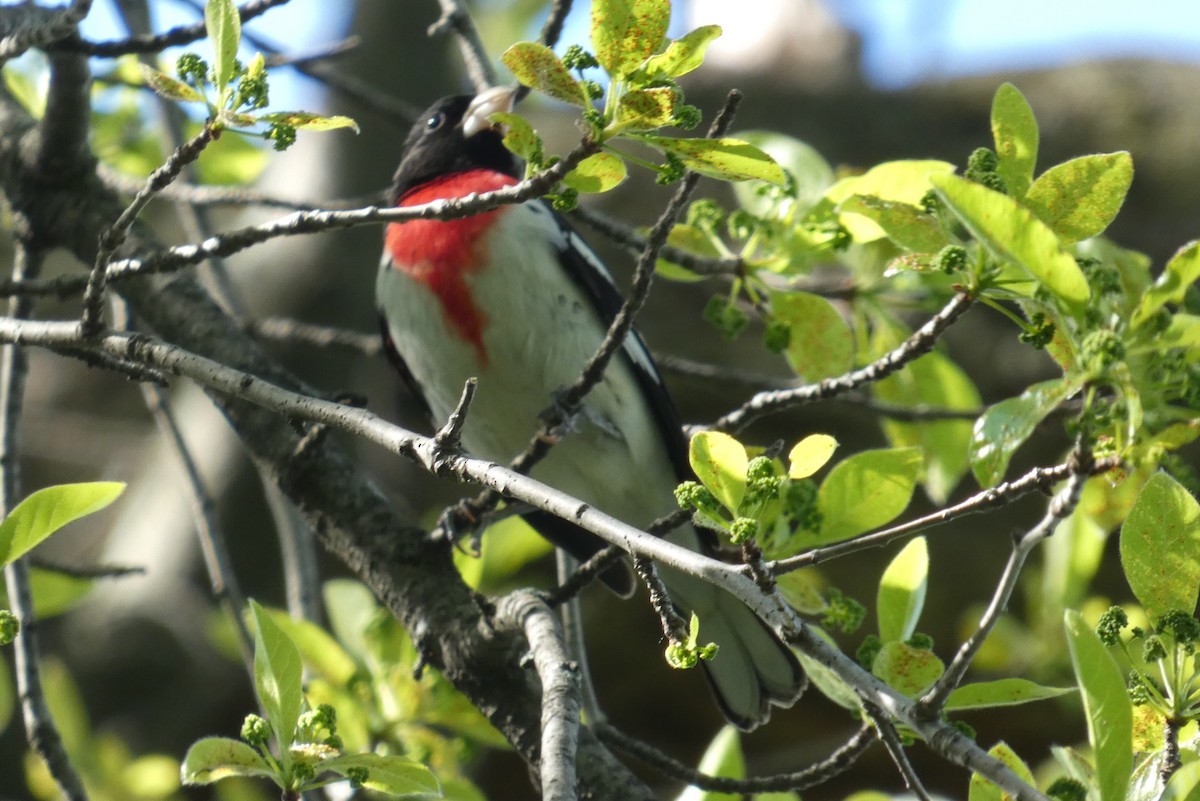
{"points": [[903, 223], [1181, 272], [820, 344], [982, 789], [681, 56], [810, 454], [519, 135], [1160, 547], [692, 240], [908, 670], [647, 109], [901, 594], [866, 490], [900, 181], [723, 159], [168, 87], [224, 27], [597, 173], [627, 32], [1106, 705], [1014, 234], [719, 461], [1015, 131], [307, 121], [1079, 198], [214, 758], [47, 510], [537, 67]]}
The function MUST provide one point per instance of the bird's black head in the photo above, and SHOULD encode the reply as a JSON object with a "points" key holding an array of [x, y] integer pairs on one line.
{"points": [[438, 145]]}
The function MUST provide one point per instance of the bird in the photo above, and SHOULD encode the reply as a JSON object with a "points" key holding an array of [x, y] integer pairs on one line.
{"points": [[516, 299]]}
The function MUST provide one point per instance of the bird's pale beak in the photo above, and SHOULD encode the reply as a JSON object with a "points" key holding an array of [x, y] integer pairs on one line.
{"points": [[486, 103]]}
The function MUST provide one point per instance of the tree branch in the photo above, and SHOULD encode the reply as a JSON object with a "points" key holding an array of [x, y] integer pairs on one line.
{"points": [[455, 18], [26, 26], [156, 43]]}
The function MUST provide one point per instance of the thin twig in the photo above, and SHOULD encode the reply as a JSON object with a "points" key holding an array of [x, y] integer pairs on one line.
{"points": [[1060, 507], [631, 240], [213, 547], [570, 615], [86, 572], [1039, 479], [156, 43], [920, 343], [298, 332], [886, 733], [91, 322], [674, 626], [40, 729], [818, 773], [474, 55], [205, 196], [552, 28], [561, 704], [176, 258]]}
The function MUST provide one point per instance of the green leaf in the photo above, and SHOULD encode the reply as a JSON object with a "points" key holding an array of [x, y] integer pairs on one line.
{"points": [[719, 461], [901, 594], [1106, 705], [982, 789], [1005, 426], [1079, 198], [1181, 272], [627, 32], [318, 650], [307, 121], [394, 775], [277, 675], [597, 173], [820, 344], [1184, 784], [351, 607], [723, 757], [537, 67], [225, 30], [723, 159], [865, 491], [828, 683], [1014, 234], [900, 181], [519, 136], [55, 593], [903, 223], [810, 454], [933, 382], [1001, 692], [508, 546], [47, 510], [647, 109], [170, 88], [681, 56], [1183, 332], [808, 168], [909, 671], [214, 758], [1015, 131], [1160, 547]]}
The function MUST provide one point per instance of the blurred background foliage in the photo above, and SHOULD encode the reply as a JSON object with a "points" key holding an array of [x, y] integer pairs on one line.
{"points": [[137, 667]]}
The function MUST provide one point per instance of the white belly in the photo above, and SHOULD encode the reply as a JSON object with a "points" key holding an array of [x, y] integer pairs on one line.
{"points": [[613, 458]]}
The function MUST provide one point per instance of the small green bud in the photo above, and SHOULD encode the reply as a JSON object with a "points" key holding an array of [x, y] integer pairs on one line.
{"points": [[256, 731], [705, 213], [868, 651], [1181, 626], [671, 170], [1040, 332], [1109, 627], [930, 202], [686, 117], [742, 225], [1067, 789], [1137, 689], [777, 336], [1102, 348], [592, 89], [965, 729], [576, 58], [759, 468], [357, 776], [192, 69], [921, 641], [982, 160], [334, 741], [696, 496], [1153, 649], [726, 316], [842, 612], [743, 530], [9, 627], [950, 259], [566, 199], [281, 135], [801, 500]]}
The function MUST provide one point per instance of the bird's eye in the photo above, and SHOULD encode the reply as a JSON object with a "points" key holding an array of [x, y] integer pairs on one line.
{"points": [[435, 122]]}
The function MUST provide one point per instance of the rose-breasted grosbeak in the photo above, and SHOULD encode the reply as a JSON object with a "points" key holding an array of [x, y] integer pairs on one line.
{"points": [[516, 298]]}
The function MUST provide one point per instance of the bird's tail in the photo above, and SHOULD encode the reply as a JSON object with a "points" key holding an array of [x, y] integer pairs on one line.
{"points": [[753, 669]]}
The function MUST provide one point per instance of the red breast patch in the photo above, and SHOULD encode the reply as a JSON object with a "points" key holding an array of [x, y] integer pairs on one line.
{"points": [[441, 253]]}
